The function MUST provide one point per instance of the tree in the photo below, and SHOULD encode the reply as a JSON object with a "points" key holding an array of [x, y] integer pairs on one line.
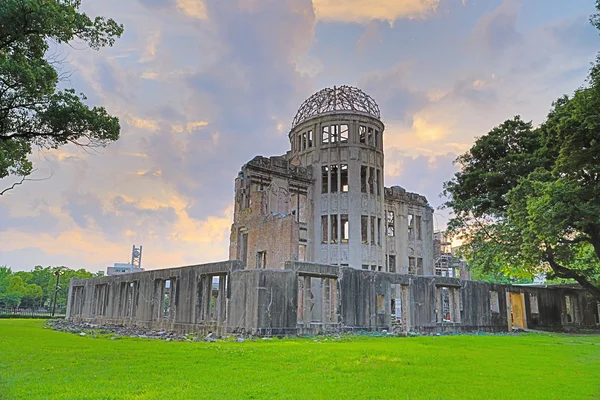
{"points": [[33, 111], [526, 200]]}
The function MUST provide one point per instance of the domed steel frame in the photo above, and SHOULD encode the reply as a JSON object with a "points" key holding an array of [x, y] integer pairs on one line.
{"points": [[336, 99]]}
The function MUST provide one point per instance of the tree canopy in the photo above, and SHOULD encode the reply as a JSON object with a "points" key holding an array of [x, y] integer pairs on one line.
{"points": [[36, 288], [527, 199], [34, 112]]}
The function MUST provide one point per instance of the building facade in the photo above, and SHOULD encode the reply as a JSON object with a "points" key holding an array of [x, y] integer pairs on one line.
{"points": [[320, 244], [325, 199]]}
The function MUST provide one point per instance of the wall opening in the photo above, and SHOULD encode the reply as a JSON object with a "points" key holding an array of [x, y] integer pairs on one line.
{"points": [[212, 298], [390, 224], [261, 259], [494, 302], [100, 303], [571, 310], [317, 300], [448, 304]]}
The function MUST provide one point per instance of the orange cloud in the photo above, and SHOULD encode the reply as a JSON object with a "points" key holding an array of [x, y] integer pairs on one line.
{"points": [[364, 11]]}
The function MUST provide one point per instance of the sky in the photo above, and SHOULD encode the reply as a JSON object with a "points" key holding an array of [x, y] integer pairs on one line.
{"points": [[203, 86]]}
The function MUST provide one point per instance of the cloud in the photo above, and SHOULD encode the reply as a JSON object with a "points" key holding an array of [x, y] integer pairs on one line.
{"points": [[384, 10], [496, 31]]}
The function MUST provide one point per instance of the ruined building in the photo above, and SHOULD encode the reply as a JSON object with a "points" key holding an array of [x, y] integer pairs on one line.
{"points": [[325, 200], [319, 244]]}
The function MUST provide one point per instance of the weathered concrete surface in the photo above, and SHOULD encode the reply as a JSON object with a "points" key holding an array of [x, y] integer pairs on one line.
{"points": [[307, 297]]}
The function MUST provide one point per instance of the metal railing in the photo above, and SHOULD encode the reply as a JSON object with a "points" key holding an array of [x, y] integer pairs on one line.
{"points": [[16, 312]]}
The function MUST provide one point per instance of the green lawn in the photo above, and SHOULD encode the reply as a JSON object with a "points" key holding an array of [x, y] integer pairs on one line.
{"points": [[38, 363]]}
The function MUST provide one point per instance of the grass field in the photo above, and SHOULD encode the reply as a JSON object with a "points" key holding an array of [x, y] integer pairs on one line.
{"points": [[38, 363]]}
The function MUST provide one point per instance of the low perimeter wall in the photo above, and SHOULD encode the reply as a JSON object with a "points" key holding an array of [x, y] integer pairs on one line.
{"points": [[314, 298]]}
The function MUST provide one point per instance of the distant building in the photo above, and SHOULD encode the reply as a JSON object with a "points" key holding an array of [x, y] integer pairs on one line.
{"points": [[446, 260], [128, 268]]}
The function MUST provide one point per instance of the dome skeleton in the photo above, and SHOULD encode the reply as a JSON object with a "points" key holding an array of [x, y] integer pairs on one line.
{"points": [[334, 100]]}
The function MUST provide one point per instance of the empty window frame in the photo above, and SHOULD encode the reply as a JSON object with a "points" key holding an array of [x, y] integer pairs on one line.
{"points": [[392, 263], [494, 302], [261, 259], [380, 304], [571, 314], [324, 179], [390, 223], [344, 177], [310, 138], [379, 231], [370, 136], [325, 136], [533, 303], [304, 141], [419, 266], [325, 229], [167, 311], [446, 304], [334, 134], [411, 221], [363, 178], [345, 228], [333, 169], [372, 230], [411, 265], [334, 228], [362, 134], [378, 180], [376, 138], [364, 228], [372, 180], [419, 226], [343, 131], [364, 266]]}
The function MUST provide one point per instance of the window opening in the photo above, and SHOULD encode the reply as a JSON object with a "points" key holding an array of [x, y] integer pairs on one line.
{"points": [[344, 177], [372, 230], [325, 135], [334, 228], [411, 265], [445, 298], [261, 259], [419, 266], [343, 133], [419, 227], [363, 179], [362, 134], [494, 302], [334, 178], [345, 227], [371, 180], [325, 229], [533, 302], [304, 141], [324, 178], [364, 221], [392, 263], [310, 138], [334, 134], [379, 231], [376, 138], [390, 223], [370, 136], [378, 182], [380, 304]]}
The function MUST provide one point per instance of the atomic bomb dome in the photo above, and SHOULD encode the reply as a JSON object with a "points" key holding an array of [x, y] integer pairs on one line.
{"points": [[335, 100]]}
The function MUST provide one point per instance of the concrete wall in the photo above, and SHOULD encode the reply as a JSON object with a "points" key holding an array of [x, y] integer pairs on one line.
{"points": [[312, 298]]}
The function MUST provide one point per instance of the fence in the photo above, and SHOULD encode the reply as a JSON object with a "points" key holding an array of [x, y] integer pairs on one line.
{"points": [[10, 312]]}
